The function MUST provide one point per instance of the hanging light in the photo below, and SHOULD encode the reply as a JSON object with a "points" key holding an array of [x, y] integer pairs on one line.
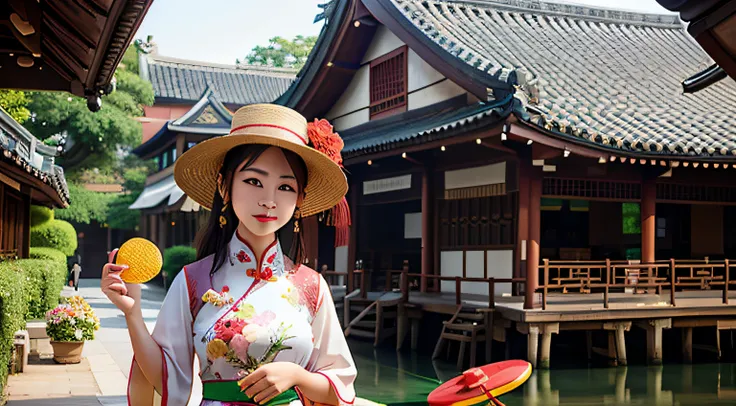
{"points": [[477, 141], [370, 162], [567, 153]]}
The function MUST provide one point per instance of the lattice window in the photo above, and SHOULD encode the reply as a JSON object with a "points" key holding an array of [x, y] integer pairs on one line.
{"points": [[695, 193], [593, 189], [477, 222], [388, 84]]}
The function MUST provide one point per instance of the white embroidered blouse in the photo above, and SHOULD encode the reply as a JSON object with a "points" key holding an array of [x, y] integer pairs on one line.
{"points": [[254, 313]]}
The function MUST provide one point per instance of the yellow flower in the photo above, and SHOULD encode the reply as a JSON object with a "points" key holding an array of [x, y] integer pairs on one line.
{"points": [[291, 296], [216, 349], [245, 311]]}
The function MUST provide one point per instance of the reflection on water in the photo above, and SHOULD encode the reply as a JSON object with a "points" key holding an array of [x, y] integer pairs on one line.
{"points": [[392, 378]]}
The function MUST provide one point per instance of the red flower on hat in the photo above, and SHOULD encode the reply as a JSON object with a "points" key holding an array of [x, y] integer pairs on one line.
{"points": [[325, 140]]}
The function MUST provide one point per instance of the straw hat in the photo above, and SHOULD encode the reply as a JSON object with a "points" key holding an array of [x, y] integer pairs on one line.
{"points": [[195, 172]]}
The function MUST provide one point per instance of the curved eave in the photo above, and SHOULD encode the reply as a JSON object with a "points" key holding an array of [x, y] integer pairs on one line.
{"points": [[464, 75], [462, 130], [341, 44], [116, 41], [594, 147]]}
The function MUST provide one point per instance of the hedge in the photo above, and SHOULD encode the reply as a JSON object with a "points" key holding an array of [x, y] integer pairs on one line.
{"points": [[48, 254], [55, 234], [41, 215], [12, 311], [176, 257], [28, 289]]}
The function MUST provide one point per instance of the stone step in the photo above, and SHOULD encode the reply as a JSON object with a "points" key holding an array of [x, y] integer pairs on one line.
{"points": [[36, 329]]}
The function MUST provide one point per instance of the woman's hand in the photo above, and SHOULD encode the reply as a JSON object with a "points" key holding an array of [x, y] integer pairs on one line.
{"points": [[126, 297], [272, 379]]}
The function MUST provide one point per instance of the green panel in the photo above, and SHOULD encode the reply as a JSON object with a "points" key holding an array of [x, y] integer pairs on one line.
{"points": [[550, 204]]}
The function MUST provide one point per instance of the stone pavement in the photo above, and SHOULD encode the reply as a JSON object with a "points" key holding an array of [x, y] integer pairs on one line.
{"points": [[101, 378]]}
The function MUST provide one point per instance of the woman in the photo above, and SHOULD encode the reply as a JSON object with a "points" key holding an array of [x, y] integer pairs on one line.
{"points": [[263, 327]]}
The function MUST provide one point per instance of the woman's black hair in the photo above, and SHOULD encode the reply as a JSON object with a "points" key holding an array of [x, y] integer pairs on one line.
{"points": [[213, 239]]}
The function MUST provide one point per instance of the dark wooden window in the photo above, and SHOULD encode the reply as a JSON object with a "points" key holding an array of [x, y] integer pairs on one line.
{"points": [[13, 215], [388, 84], [591, 189], [478, 222]]}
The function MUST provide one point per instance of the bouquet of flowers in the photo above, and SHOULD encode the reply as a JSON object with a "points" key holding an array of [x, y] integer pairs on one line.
{"points": [[72, 320], [232, 338]]}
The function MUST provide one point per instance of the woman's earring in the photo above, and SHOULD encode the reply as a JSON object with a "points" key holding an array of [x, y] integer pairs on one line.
{"points": [[223, 220], [225, 200], [297, 217]]}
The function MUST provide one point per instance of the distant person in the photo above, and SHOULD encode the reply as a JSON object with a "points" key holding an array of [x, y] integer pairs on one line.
{"points": [[74, 268]]}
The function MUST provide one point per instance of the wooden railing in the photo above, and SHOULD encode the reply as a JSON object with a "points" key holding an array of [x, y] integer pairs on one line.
{"points": [[606, 275]]}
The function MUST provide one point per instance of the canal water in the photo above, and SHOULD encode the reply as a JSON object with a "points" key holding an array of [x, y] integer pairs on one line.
{"points": [[406, 378]]}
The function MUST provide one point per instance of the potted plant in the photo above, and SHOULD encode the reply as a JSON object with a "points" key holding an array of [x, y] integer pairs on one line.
{"points": [[69, 325]]}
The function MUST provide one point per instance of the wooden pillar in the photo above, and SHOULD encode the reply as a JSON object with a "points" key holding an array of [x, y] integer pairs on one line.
{"points": [[523, 220], [427, 229], [352, 244], [654, 338], [25, 243], [532, 345], [687, 344], [532, 246], [546, 344], [648, 219]]}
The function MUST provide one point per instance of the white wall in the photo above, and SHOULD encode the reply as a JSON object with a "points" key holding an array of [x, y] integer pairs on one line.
{"points": [[351, 109], [341, 262], [500, 265]]}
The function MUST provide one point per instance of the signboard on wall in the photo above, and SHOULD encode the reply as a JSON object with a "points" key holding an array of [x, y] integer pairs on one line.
{"points": [[413, 225], [477, 176], [387, 184]]}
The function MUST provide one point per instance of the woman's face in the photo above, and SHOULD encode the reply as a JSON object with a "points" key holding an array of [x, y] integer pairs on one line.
{"points": [[265, 194]]}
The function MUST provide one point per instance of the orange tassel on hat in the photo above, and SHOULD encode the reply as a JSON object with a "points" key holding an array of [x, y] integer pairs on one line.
{"points": [[326, 141]]}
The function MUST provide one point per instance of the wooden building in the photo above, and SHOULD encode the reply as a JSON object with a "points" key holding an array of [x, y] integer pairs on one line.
{"points": [[193, 102], [52, 46], [27, 176], [484, 137], [67, 46]]}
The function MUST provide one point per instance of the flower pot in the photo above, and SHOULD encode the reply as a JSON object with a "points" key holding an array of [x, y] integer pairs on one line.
{"points": [[67, 352]]}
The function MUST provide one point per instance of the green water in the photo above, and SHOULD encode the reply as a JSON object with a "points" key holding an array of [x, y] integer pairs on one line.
{"points": [[407, 378]]}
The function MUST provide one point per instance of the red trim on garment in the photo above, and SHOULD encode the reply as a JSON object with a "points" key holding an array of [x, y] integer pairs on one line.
{"points": [[334, 387], [130, 377], [165, 379], [305, 141]]}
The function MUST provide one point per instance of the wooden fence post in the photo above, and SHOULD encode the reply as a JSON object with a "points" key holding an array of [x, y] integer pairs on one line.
{"points": [[672, 281], [608, 283], [546, 282], [491, 293], [726, 281], [457, 291]]}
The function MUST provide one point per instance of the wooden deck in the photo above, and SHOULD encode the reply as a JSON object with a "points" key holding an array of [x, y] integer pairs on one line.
{"points": [[585, 307]]}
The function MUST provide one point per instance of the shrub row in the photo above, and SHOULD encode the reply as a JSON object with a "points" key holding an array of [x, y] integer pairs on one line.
{"points": [[175, 258], [57, 234], [28, 289]]}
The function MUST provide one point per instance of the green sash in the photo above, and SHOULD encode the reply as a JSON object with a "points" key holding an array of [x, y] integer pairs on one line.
{"points": [[229, 391]]}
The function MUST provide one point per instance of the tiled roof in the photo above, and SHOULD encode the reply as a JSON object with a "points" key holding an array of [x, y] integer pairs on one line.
{"points": [[608, 76], [20, 148], [427, 124], [182, 80]]}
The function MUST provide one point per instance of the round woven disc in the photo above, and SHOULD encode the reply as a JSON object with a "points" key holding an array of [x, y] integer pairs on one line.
{"points": [[143, 259], [503, 377]]}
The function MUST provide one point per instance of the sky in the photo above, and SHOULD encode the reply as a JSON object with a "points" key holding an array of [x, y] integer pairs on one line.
{"points": [[221, 31]]}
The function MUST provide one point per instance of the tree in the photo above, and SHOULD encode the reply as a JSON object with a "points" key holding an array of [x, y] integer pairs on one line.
{"points": [[15, 103], [95, 139], [282, 53]]}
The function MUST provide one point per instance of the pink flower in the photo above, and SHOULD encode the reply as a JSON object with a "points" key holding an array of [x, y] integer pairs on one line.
{"points": [[240, 345], [263, 319], [226, 329]]}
